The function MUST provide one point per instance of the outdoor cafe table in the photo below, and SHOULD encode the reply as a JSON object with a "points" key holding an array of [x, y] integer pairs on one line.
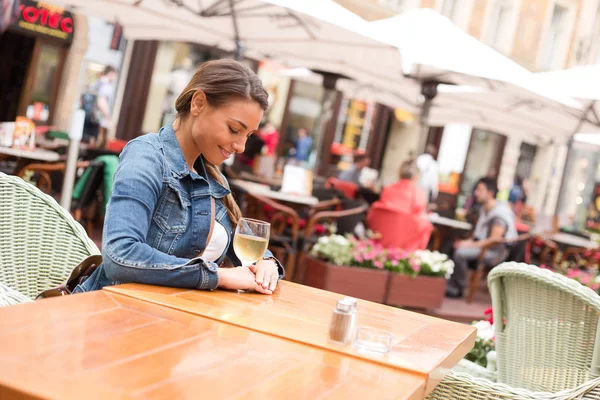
{"points": [[264, 190], [572, 240], [38, 154], [449, 222], [27, 156], [102, 345], [424, 346]]}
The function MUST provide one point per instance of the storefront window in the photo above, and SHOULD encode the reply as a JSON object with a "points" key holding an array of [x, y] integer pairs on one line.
{"points": [[483, 159], [303, 111], [174, 67], [452, 155], [44, 82], [352, 131], [593, 208], [578, 192]]}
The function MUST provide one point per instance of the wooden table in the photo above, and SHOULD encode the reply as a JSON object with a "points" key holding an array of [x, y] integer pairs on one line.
{"points": [[103, 345], [572, 240], [264, 190], [424, 346], [37, 154], [449, 222]]}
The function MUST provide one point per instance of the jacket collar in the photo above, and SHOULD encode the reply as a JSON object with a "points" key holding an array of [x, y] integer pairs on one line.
{"points": [[179, 168]]}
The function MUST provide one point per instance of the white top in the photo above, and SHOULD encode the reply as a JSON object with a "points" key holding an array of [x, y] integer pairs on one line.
{"points": [[428, 175], [217, 245]]}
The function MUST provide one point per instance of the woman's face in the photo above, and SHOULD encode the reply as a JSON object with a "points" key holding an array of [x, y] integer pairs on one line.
{"points": [[221, 131]]}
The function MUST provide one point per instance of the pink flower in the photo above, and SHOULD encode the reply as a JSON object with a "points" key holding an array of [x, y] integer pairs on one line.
{"points": [[416, 267], [585, 279], [490, 313], [378, 264], [359, 258], [395, 263], [369, 256], [573, 273], [544, 266], [595, 286]]}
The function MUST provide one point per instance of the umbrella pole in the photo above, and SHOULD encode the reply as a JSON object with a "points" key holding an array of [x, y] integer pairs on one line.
{"points": [[424, 131], [429, 91], [238, 53]]}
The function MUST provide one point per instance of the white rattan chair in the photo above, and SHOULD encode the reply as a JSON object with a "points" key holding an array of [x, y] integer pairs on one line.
{"points": [[546, 340], [40, 242]]}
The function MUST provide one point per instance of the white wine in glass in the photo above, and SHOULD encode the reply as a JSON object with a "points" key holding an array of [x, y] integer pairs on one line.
{"points": [[251, 240]]}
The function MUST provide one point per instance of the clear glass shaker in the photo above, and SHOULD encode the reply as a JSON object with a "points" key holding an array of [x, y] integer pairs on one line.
{"points": [[342, 322]]}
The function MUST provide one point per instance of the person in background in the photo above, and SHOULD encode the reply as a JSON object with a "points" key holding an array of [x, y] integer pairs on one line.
{"points": [[516, 194], [271, 138], [429, 172], [496, 221], [104, 102], [405, 195], [254, 146], [409, 203], [352, 174], [303, 145]]}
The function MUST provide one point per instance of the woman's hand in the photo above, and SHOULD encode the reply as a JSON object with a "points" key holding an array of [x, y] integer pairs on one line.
{"points": [[240, 278], [267, 274]]}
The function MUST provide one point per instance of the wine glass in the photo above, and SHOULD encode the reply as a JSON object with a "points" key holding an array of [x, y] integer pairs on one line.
{"points": [[251, 240]]}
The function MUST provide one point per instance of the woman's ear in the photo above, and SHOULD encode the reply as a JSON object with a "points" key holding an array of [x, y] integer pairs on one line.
{"points": [[198, 103]]}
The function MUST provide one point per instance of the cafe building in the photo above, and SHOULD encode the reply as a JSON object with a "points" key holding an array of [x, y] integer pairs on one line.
{"points": [[34, 51]]}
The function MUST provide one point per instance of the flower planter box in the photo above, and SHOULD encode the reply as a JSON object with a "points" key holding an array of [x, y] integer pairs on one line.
{"points": [[425, 292], [362, 283]]}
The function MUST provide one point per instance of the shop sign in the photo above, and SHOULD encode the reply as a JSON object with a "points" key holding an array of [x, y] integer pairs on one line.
{"points": [[354, 127], [44, 19]]}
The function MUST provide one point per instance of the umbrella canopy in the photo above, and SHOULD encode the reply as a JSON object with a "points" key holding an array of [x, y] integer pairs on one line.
{"points": [[507, 99], [582, 83], [317, 34]]}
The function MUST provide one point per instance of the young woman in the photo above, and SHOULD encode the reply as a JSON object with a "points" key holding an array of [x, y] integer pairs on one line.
{"points": [[171, 217]]}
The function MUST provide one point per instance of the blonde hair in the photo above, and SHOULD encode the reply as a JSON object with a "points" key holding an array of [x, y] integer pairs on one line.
{"points": [[223, 81], [408, 169]]}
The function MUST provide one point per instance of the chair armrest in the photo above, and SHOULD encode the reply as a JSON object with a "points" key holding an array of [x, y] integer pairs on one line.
{"points": [[475, 370], [330, 215], [493, 243], [325, 205], [457, 385], [577, 253], [282, 211]]}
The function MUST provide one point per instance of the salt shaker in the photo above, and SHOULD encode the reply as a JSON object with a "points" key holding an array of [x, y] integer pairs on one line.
{"points": [[342, 322], [354, 303]]}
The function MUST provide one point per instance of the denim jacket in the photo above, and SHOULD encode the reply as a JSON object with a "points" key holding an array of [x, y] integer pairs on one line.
{"points": [[158, 219]]}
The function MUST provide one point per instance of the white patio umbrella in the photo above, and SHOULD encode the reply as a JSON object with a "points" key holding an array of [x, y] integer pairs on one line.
{"points": [[316, 34], [582, 83], [507, 100]]}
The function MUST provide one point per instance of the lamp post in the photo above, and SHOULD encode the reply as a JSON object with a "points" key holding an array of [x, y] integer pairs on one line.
{"points": [[75, 134]]}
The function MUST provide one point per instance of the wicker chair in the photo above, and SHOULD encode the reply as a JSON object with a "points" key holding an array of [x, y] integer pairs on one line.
{"points": [[40, 242], [546, 340], [10, 297]]}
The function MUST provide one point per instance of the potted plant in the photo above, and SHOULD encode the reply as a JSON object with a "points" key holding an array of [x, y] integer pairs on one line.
{"points": [[332, 266], [419, 278], [363, 268]]}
